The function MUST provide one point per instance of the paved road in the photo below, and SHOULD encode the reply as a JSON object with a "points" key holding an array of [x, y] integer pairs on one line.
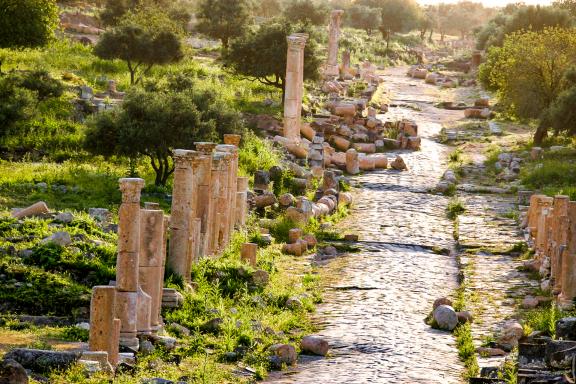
{"points": [[377, 332]]}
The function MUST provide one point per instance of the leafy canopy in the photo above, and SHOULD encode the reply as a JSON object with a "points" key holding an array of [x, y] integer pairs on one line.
{"points": [[306, 11], [152, 123], [142, 39], [262, 54], [224, 19], [27, 23]]}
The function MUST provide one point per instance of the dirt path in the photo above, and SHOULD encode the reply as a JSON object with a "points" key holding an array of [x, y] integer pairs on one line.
{"points": [[377, 328]]}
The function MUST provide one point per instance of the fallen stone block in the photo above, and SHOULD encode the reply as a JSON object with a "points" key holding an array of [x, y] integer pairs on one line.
{"points": [[315, 345], [37, 209], [41, 360]]}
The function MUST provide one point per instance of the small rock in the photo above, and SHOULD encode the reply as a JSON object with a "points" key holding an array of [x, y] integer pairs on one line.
{"points": [[329, 251], [464, 317], [510, 336], [167, 342], [100, 214], [213, 326], [285, 352], [315, 345], [59, 238], [351, 238], [287, 200], [445, 317], [485, 352], [293, 303], [146, 347], [399, 164], [260, 277], [156, 380], [64, 217], [180, 329], [529, 302], [441, 301]]}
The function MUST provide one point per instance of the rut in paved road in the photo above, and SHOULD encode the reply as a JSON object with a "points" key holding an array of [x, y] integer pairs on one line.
{"points": [[376, 325]]}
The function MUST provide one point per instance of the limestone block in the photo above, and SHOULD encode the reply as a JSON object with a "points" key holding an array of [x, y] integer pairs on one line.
{"points": [[35, 209], [248, 253], [367, 163], [340, 143], [365, 147], [352, 164], [315, 345], [126, 311], [298, 149], [231, 139], [380, 161], [265, 200], [307, 131], [399, 164], [294, 235], [345, 110], [102, 315]]}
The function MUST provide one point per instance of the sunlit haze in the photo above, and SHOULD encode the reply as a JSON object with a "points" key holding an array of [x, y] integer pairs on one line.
{"points": [[490, 3]]}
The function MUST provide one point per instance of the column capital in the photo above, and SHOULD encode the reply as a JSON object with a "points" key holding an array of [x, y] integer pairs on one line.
{"points": [[296, 41], [131, 189], [231, 139], [205, 147], [183, 158]]}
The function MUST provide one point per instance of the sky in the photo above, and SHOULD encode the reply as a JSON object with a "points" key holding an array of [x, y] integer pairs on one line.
{"points": [[490, 3]]}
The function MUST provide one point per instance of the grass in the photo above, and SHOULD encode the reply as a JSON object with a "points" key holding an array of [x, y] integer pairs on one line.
{"points": [[544, 319], [466, 349], [455, 208]]}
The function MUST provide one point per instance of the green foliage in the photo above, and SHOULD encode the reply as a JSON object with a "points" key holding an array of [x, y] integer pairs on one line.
{"points": [[16, 104], [306, 11], [256, 153], [115, 10], [561, 116], [224, 19], [154, 123], [262, 54], [528, 72], [27, 23], [552, 176], [141, 45], [455, 208], [466, 349], [363, 17], [397, 16], [524, 18]]}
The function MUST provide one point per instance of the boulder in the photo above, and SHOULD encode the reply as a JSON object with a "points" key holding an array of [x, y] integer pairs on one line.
{"points": [[286, 200], [265, 200], [39, 360], [464, 317], [365, 148], [380, 161], [64, 217], [310, 241], [529, 302], [345, 110], [345, 198], [12, 372], [559, 353], [37, 209], [445, 317], [566, 328], [315, 345], [490, 352], [340, 143]]}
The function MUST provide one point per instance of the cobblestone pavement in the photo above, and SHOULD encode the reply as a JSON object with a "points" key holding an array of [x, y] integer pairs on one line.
{"points": [[486, 236], [376, 301]]}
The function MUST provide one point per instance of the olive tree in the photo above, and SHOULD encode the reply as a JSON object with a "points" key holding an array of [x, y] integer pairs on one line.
{"points": [[154, 123], [224, 19]]}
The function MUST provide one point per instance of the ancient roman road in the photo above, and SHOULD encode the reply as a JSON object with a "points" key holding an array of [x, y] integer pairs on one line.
{"points": [[376, 300]]}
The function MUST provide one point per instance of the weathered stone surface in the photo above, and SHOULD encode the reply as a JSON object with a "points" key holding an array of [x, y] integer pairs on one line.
{"points": [[286, 200], [59, 238], [445, 317], [490, 352], [464, 317], [566, 328], [43, 361], [12, 372], [265, 200], [559, 354], [315, 345], [399, 164], [64, 217], [260, 277], [36, 209]]}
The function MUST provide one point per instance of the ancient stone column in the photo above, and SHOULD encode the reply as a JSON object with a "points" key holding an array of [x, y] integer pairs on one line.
{"points": [[102, 316], [204, 181], [215, 190], [248, 253], [293, 87], [333, 39], [232, 175], [182, 196], [557, 238], [568, 274], [152, 252], [345, 63], [303, 36], [241, 201], [144, 313], [128, 260], [230, 139]]}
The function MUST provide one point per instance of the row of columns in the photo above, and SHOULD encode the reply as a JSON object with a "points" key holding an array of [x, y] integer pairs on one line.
{"points": [[551, 223], [208, 201]]}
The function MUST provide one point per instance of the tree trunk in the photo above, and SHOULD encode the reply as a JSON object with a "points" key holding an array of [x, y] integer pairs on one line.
{"points": [[541, 133], [430, 37]]}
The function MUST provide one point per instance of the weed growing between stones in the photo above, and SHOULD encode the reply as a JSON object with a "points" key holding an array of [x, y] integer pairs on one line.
{"points": [[455, 208], [466, 349]]}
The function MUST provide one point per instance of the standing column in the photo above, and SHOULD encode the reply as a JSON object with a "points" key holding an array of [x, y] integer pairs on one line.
{"points": [[204, 205], [557, 238], [127, 262], [568, 275], [102, 316], [333, 39], [304, 37], [232, 175], [182, 192], [292, 93], [213, 224], [152, 251], [223, 201], [241, 201]]}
